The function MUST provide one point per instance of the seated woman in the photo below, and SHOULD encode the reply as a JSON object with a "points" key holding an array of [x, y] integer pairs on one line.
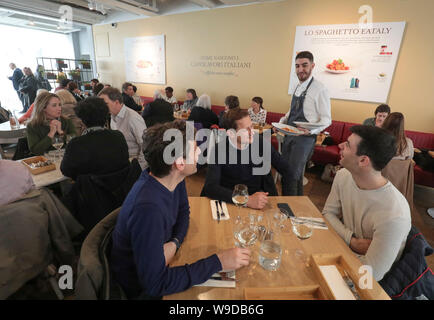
{"points": [[47, 122], [15, 179], [29, 112], [98, 150], [231, 102], [394, 123], [68, 104], [202, 112], [73, 89], [191, 99], [256, 111]]}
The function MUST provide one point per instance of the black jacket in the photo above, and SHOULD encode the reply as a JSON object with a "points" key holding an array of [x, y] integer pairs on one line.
{"points": [[16, 77], [98, 152], [221, 178], [204, 116], [28, 86], [157, 111], [410, 277], [92, 197], [130, 103]]}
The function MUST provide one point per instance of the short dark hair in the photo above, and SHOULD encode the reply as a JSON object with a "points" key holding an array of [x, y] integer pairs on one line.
{"points": [[95, 81], [193, 92], [232, 102], [64, 82], [112, 93], [232, 116], [126, 85], [93, 111], [97, 88], [377, 144], [170, 89], [305, 55], [134, 88], [154, 146], [259, 101], [382, 108], [72, 85]]}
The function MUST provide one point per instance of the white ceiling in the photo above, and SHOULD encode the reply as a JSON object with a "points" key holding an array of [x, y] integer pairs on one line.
{"points": [[44, 14]]}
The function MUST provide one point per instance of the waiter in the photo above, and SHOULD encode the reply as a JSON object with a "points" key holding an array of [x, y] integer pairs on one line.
{"points": [[310, 103]]}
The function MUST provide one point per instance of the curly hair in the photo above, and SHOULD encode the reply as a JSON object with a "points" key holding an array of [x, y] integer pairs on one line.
{"points": [[232, 102], [154, 146], [93, 111]]}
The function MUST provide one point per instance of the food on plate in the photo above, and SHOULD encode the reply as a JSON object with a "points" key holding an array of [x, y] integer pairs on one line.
{"points": [[40, 164], [338, 65], [144, 64], [289, 130]]}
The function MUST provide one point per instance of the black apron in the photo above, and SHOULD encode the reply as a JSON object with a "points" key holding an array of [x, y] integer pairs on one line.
{"points": [[297, 149]]}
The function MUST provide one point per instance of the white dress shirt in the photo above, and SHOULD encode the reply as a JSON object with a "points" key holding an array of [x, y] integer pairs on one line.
{"points": [[172, 99], [132, 126], [316, 106]]}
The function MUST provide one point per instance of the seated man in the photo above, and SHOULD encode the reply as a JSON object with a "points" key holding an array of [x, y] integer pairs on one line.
{"points": [[158, 111], [238, 164], [381, 113], [127, 96], [127, 121], [170, 97], [364, 208], [153, 223]]}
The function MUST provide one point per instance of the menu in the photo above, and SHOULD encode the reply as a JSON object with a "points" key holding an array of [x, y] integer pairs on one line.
{"points": [[354, 62], [145, 59]]}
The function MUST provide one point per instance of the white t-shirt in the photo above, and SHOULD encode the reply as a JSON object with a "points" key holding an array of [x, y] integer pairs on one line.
{"points": [[382, 215], [172, 99]]}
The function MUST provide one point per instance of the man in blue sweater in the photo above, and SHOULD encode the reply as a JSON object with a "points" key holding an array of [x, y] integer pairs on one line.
{"points": [[154, 221]]}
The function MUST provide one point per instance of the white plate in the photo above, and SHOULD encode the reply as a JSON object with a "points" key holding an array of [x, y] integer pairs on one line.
{"points": [[308, 125], [336, 71], [280, 126]]}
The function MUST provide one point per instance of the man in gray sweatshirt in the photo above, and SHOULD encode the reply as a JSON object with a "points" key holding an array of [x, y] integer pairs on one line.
{"points": [[364, 208]]}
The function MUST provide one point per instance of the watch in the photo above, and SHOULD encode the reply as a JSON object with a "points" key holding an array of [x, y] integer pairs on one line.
{"points": [[177, 243]]}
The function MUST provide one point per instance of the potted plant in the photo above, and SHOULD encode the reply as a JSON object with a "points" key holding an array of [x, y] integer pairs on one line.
{"points": [[51, 75], [75, 75], [87, 86], [85, 64], [61, 63], [60, 77]]}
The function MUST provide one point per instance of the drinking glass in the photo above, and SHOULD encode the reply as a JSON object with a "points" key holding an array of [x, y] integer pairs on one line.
{"points": [[240, 195], [301, 228], [57, 142], [245, 231], [270, 251], [69, 137]]}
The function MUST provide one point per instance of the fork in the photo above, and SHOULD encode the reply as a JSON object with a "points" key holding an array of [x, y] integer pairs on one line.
{"points": [[222, 211]]}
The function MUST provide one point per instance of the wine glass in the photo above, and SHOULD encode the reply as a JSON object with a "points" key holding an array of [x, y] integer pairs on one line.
{"points": [[69, 137], [240, 195], [303, 230], [57, 142]]}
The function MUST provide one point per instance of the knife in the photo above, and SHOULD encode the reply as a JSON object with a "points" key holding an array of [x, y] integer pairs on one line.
{"points": [[217, 209], [350, 285], [221, 206]]}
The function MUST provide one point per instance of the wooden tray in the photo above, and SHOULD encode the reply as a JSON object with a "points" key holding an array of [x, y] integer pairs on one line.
{"points": [[36, 171], [313, 292], [341, 264]]}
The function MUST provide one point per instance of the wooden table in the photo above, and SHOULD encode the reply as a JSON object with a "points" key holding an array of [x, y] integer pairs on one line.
{"points": [[180, 115], [205, 237], [50, 177]]}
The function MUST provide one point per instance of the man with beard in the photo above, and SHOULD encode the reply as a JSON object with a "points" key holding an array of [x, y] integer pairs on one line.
{"points": [[310, 103]]}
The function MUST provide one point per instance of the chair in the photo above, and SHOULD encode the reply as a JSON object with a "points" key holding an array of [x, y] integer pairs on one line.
{"points": [[410, 277], [94, 281], [401, 174]]}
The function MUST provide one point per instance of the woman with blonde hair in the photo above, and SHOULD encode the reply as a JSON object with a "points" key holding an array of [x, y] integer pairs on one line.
{"points": [[68, 104], [394, 123], [46, 123]]}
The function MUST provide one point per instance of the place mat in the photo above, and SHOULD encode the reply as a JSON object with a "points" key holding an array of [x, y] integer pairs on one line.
{"points": [[214, 211], [220, 283], [336, 283]]}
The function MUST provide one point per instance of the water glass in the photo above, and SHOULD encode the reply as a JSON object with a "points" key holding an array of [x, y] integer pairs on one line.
{"points": [[301, 228], [270, 254], [245, 231]]}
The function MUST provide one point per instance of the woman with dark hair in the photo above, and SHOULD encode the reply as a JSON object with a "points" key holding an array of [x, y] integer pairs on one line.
{"points": [[46, 122], [394, 123], [98, 150], [97, 88], [191, 99], [257, 112], [231, 102]]}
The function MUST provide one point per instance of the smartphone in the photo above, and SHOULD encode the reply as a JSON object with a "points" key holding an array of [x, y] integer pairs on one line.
{"points": [[285, 209]]}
